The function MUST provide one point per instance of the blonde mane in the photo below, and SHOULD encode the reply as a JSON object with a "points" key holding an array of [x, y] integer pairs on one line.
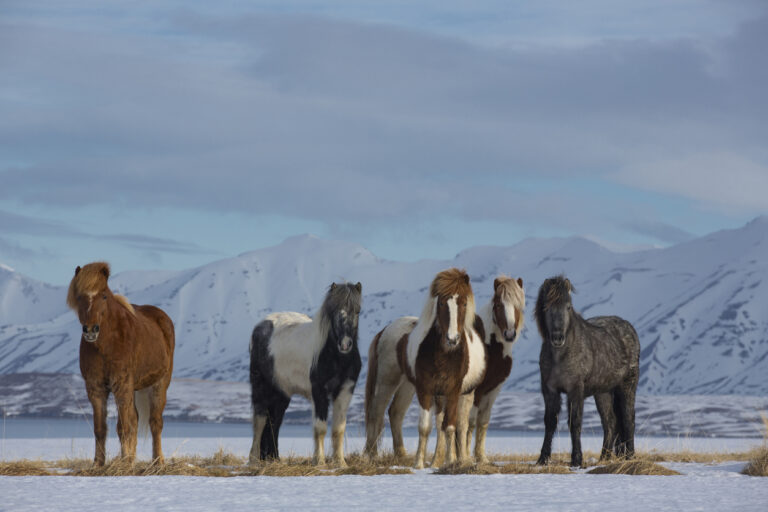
{"points": [[124, 301], [509, 290]]}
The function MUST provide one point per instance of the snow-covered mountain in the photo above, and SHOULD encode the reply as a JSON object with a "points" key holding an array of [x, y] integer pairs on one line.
{"points": [[700, 308]]}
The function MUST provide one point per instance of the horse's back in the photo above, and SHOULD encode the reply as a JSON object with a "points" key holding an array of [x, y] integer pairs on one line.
{"points": [[158, 317], [292, 348], [619, 329], [388, 367]]}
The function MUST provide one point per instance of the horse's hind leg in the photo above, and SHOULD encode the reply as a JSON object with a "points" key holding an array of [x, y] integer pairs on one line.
{"points": [[398, 408], [271, 433], [259, 422], [98, 394], [604, 403], [374, 420], [624, 403], [157, 399]]}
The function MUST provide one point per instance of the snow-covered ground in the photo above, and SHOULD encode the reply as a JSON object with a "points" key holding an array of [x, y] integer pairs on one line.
{"points": [[702, 487]]}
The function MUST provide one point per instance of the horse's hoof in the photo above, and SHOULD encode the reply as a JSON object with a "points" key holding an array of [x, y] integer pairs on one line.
{"points": [[543, 461]]}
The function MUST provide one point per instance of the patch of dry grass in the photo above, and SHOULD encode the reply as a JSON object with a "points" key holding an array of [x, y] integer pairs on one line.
{"points": [[512, 468], [758, 457], [23, 468], [632, 467]]}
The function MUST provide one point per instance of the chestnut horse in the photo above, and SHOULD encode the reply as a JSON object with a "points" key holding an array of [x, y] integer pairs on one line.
{"points": [[441, 354], [124, 349]]}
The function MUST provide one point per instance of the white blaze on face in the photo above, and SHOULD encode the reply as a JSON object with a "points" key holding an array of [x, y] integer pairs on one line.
{"points": [[510, 313], [453, 320]]}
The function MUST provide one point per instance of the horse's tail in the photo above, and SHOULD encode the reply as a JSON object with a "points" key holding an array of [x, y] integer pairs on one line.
{"points": [[373, 370], [141, 400]]}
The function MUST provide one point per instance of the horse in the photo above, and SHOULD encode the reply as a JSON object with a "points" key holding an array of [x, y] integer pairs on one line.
{"points": [[439, 354], [125, 349], [598, 356], [503, 315], [317, 358]]}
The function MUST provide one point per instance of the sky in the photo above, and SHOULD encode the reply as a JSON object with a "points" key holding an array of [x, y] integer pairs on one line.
{"points": [[168, 134]]}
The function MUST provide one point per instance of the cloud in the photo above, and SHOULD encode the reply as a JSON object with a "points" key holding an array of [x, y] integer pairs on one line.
{"points": [[11, 223], [10, 250], [341, 121]]}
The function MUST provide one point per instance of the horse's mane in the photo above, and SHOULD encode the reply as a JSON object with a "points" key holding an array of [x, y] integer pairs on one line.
{"points": [[91, 279], [553, 291], [510, 291], [445, 284], [88, 280], [344, 296]]}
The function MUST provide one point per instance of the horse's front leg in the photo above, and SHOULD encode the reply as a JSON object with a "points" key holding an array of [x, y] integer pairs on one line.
{"points": [[320, 404], [127, 419], [575, 412], [449, 425], [483, 419], [438, 458], [425, 415], [462, 425], [340, 406], [551, 410], [98, 395]]}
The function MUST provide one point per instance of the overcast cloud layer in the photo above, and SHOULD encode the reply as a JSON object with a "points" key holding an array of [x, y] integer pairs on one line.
{"points": [[337, 117]]}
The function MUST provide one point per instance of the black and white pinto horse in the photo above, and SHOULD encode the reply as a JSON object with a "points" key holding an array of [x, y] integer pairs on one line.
{"points": [[317, 358], [599, 356]]}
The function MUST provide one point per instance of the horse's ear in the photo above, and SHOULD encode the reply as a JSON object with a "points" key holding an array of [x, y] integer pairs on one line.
{"points": [[333, 286], [496, 283], [520, 281], [466, 278], [568, 285], [359, 286], [105, 271], [77, 270]]}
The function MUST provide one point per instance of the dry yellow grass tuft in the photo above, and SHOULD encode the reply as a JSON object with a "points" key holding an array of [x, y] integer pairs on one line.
{"points": [[758, 458], [512, 468], [23, 468], [632, 467]]}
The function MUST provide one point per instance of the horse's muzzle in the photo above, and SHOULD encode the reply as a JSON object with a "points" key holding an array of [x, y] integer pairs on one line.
{"points": [[92, 334], [345, 345], [510, 334], [452, 342], [558, 342]]}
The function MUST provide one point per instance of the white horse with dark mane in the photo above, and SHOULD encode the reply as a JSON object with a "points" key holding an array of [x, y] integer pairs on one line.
{"points": [[317, 358]]}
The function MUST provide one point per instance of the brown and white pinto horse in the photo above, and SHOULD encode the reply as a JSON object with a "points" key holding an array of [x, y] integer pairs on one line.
{"points": [[441, 354], [503, 320], [124, 349]]}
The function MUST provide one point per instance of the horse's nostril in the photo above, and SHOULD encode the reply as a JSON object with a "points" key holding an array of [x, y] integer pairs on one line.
{"points": [[96, 328], [85, 329]]}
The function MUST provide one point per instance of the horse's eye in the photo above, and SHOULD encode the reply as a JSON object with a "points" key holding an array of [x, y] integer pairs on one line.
{"points": [[104, 297]]}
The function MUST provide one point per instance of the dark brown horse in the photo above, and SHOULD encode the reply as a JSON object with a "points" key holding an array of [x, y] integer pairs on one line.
{"points": [[127, 350]]}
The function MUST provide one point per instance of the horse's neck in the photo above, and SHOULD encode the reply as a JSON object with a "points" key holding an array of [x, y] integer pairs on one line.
{"points": [[486, 315]]}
